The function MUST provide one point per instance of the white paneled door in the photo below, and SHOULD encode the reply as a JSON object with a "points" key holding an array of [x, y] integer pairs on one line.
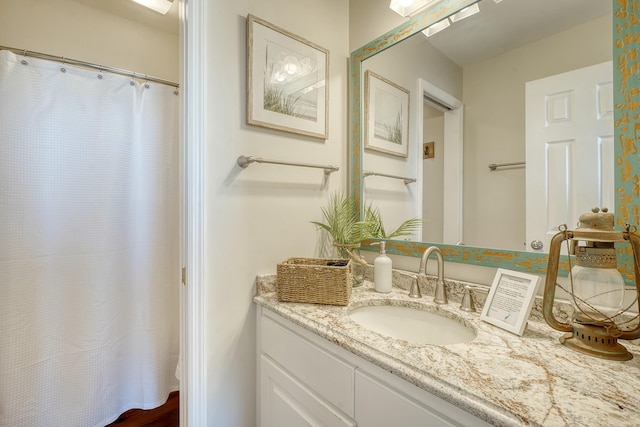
{"points": [[569, 149]]}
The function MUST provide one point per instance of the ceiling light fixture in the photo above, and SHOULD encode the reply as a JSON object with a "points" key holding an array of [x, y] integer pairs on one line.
{"points": [[436, 28], [407, 8], [160, 6], [465, 13]]}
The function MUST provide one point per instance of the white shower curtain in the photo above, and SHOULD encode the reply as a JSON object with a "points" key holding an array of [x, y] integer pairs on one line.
{"points": [[89, 244]]}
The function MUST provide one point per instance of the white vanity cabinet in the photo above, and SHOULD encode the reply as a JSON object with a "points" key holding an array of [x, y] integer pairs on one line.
{"points": [[305, 380]]}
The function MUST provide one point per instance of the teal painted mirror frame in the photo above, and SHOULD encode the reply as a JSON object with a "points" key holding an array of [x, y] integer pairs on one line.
{"points": [[626, 38]]}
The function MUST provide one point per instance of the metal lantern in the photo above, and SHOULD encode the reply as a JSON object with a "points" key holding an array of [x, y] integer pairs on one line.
{"points": [[597, 288]]}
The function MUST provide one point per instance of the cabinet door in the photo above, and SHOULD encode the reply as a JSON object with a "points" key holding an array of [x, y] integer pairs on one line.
{"points": [[380, 405], [286, 402]]}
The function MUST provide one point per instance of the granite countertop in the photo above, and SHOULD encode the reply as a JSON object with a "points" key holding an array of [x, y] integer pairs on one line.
{"points": [[500, 377]]}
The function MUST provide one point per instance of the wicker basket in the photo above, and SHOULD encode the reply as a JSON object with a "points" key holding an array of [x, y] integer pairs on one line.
{"points": [[315, 280]]}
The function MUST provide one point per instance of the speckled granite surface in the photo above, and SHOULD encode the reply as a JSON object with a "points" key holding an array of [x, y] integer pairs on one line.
{"points": [[500, 377]]}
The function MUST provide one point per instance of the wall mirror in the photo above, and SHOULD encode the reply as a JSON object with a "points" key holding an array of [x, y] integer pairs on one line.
{"points": [[488, 215]]}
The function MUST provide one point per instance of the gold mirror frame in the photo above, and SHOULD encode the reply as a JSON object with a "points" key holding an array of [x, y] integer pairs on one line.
{"points": [[626, 36]]}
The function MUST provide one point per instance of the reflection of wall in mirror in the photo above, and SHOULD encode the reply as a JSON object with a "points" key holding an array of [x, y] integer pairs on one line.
{"points": [[397, 201], [494, 127], [492, 91], [433, 176]]}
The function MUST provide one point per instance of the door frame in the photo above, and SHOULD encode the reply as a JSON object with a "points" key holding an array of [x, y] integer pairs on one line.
{"points": [[193, 409], [453, 110]]}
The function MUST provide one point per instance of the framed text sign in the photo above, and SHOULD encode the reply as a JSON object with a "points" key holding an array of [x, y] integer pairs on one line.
{"points": [[510, 300]]}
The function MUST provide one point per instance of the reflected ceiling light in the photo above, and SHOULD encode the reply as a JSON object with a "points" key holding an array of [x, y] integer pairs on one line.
{"points": [[291, 65], [160, 6], [465, 13], [410, 7], [436, 28]]}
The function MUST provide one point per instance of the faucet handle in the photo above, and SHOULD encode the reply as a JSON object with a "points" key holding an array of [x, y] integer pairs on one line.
{"points": [[414, 291], [468, 302]]}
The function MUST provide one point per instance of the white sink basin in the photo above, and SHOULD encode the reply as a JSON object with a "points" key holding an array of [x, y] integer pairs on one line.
{"points": [[410, 324]]}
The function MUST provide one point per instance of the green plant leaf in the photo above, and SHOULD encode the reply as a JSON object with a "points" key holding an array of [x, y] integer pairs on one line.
{"points": [[407, 228], [340, 219], [375, 227], [343, 225]]}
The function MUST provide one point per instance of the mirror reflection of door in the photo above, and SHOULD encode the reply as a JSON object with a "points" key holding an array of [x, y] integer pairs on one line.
{"points": [[569, 149]]}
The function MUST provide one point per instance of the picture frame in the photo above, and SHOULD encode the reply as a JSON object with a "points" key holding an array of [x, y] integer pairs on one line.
{"points": [[386, 116], [287, 81], [510, 300]]}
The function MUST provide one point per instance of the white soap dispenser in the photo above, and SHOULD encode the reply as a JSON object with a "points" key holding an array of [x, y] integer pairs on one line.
{"points": [[382, 270]]}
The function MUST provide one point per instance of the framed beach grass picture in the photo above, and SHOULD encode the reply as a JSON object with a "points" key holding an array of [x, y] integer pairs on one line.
{"points": [[287, 80], [386, 115]]}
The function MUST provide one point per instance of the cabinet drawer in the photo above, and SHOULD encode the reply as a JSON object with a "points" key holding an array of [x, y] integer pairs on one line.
{"points": [[288, 402], [328, 376]]}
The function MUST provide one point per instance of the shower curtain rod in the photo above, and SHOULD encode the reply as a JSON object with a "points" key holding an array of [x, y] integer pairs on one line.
{"points": [[70, 61]]}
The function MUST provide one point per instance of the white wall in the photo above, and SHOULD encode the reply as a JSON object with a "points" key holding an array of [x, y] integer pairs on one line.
{"points": [[259, 216], [74, 29], [494, 127]]}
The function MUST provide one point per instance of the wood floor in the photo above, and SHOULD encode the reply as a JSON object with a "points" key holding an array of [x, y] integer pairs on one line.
{"points": [[167, 415]]}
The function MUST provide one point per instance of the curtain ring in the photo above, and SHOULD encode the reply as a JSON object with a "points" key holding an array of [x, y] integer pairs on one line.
{"points": [[63, 69]]}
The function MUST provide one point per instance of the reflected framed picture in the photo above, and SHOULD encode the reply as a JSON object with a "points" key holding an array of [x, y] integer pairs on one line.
{"points": [[287, 81], [386, 116], [510, 300]]}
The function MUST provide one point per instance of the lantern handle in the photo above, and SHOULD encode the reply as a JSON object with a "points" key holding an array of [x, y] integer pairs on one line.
{"points": [[632, 235], [551, 278]]}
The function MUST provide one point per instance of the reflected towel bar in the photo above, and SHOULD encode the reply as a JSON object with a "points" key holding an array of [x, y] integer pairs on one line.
{"points": [[405, 179], [494, 166], [244, 161]]}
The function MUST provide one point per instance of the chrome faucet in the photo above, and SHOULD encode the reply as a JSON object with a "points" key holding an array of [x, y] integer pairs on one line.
{"points": [[441, 292]]}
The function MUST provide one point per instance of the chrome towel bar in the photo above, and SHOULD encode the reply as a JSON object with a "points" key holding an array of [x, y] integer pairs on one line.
{"points": [[405, 179], [244, 161], [494, 166]]}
